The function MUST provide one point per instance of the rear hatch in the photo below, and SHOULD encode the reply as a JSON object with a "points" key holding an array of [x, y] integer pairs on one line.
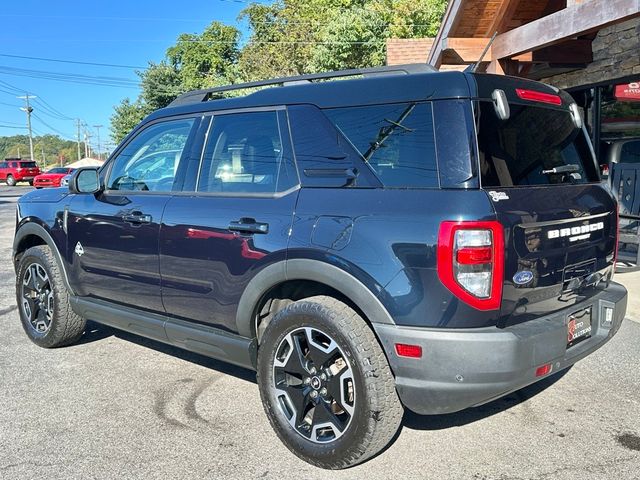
{"points": [[28, 169], [538, 168]]}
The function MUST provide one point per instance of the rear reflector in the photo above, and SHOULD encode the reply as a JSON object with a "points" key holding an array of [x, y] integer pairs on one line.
{"points": [[535, 96], [411, 351], [543, 370]]}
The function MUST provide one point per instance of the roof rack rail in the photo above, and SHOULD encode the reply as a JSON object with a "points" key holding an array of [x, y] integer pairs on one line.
{"points": [[197, 96]]}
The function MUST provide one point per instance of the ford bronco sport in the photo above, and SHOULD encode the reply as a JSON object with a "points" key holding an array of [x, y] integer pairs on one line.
{"points": [[397, 237]]}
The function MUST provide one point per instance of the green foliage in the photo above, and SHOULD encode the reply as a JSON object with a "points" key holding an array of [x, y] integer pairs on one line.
{"points": [[207, 59], [125, 116], [285, 37], [54, 148]]}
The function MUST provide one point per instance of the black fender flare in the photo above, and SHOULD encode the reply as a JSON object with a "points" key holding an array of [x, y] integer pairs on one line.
{"points": [[33, 228], [306, 269]]}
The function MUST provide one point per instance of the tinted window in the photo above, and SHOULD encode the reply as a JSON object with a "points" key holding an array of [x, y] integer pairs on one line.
{"points": [[26, 165], [58, 170], [630, 152], [525, 148], [397, 140], [323, 156], [245, 153], [149, 162], [3, 165]]}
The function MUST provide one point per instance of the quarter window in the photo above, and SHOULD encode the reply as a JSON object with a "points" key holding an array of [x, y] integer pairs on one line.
{"points": [[246, 153], [397, 140], [149, 162]]}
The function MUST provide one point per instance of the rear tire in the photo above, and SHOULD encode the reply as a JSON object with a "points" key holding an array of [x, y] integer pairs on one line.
{"points": [[31, 182], [11, 181], [332, 415], [43, 300]]}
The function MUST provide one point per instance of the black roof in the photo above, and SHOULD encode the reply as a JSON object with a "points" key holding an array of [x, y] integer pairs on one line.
{"points": [[373, 86]]}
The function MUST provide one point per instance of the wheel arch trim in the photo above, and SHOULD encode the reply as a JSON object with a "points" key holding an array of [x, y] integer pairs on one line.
{"points": [[306, 269], [37, 230]]}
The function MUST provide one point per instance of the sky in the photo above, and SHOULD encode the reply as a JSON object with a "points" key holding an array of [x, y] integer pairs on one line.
{"points": [[117, 32]]}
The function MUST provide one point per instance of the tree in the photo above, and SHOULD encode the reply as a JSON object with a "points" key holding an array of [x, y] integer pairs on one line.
{"points": [[207, 59], [285, 37], [125, 117]]}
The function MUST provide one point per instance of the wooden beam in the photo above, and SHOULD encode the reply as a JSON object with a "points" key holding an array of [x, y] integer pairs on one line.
{"points": [[570, 22], [451, 16], [502, 17]]}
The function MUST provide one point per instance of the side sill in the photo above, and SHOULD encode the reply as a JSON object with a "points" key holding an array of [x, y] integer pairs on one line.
{"points": [[203, 339]]}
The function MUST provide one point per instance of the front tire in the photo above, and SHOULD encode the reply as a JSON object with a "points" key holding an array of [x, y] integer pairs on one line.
{"points": [[43, 300], [11, 181], [326, 385]]}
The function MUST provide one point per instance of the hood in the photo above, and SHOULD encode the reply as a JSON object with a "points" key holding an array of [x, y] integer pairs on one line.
{"points": [[46, 195]]}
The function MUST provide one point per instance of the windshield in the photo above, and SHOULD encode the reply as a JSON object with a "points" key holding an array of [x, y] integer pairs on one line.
{"points": [[534, 146], [58, 170]]}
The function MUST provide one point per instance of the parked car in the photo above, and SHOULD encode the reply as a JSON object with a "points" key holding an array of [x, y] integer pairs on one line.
{"points": [[14, 171], [64, 181], [405, 238], [52, 178]]}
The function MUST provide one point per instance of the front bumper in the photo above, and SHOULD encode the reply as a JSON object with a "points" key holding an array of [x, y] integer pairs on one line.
{"points": [[462, 368]]}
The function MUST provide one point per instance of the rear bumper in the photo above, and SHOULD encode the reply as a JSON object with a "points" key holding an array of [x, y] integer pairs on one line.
{"points": [[461, 368]]}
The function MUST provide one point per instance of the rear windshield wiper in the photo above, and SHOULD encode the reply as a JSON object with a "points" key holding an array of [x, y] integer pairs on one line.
{"points": [[571, 168]]}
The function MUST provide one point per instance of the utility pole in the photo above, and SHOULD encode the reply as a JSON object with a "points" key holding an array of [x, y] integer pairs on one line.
{"points": [[78, 137], [87, 149], [44, 158], [98, 127], [28, 109]]}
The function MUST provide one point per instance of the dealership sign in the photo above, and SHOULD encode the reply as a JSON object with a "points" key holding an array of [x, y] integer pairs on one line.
{"points": [[629, 92]]}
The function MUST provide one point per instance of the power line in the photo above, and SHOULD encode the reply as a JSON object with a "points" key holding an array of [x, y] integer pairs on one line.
{"points": [[76, 62], [62, 134]]}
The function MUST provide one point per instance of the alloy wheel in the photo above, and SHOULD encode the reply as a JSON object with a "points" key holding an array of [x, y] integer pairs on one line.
{"points": [[37, 298], [314, 385]]}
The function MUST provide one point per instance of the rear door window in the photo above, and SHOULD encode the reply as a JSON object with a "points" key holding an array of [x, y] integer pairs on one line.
{"points": [[247, 153], [534, 146], [397, 141]]}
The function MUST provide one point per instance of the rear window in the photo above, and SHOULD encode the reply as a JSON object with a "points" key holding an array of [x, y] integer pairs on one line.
{"points": [[534, 146], [397, 140], [27, 165]]}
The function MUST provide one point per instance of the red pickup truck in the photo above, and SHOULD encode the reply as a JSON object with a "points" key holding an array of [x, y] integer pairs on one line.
{"points": [[14, 171]]}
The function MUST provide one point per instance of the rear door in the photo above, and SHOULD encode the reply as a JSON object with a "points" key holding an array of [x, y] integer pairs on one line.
{"points": [[232, 219], [560, 222]]}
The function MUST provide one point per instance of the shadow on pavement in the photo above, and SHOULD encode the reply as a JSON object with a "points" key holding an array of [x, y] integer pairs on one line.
{"points": [[96, 332]]}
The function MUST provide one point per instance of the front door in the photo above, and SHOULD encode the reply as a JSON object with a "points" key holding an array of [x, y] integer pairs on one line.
{"points": [[234, 221], [113, 236]]}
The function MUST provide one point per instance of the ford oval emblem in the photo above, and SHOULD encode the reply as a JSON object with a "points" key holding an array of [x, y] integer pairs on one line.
{"points": [[523, 277]]}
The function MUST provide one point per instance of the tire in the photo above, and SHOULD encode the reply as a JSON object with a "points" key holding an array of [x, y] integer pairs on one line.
{"points": [[11, 181], [31, 182], [359, 424], [43, 300]]}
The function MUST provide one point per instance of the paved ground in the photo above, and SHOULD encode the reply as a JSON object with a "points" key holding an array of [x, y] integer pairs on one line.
{"points": [[118, 406]]}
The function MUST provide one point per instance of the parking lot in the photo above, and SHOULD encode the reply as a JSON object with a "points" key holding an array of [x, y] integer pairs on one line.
{"points": [[119, 406]]}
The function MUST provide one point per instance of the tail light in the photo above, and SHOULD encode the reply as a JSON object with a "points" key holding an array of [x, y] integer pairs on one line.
{"points": [[470, 261]]}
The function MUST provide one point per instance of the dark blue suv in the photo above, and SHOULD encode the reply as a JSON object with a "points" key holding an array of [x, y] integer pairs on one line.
{"points": [[366, 240]]}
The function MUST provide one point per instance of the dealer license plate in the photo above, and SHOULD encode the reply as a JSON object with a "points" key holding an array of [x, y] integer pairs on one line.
{"points": [[578, 326]]}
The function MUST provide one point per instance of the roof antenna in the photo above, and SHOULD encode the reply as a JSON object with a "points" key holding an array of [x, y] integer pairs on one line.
{"points": [[474, 66]]}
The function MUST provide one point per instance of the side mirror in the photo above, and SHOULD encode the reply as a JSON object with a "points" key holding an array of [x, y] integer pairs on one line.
{"points": [[85, 180]]}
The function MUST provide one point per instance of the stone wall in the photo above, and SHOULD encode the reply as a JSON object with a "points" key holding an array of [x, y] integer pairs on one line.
{"points": [[616, 54]]}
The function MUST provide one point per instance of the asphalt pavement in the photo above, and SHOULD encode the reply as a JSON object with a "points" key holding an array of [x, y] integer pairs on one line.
{"points": [[118, 406]]}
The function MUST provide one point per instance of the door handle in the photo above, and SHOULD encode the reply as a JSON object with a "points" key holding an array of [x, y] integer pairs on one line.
{"points": [[249, 225], [137, 217]]}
